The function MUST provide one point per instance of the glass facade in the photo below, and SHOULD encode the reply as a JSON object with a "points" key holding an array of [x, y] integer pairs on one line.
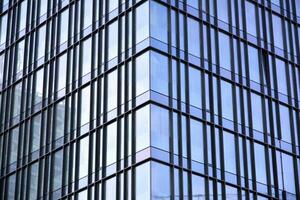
{"points": [[149, 99]]}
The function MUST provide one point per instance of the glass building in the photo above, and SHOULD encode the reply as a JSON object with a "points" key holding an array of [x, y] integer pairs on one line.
{"points": [[149, 99]]}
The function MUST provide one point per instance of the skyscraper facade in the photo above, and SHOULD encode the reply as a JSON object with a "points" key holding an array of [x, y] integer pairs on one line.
{"points": [[149, 99]]}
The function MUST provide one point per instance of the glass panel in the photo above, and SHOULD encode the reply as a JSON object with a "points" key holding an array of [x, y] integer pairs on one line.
{"points": [[2, 56], [250, 18], [281, 76], [59, 119], [17, 99], [159, 128], [159, 73], [142, 73], [36, 133], [277, 31], [86, 56], [57, 170], [111, 143], [260, 163], [88, 13], [13, 145], [256, 106], [229, 152], [111, 188], [11, 185], [224, 51], [195, 87], [39, 86], [285, 123], [41, 41], [222, 10], [22, 16], [142, 124], [193, 37], [20, 56], [198, 187], [142, 17], [33, 186], [253, 64], [83, 157], [112, 40], [85, 105], [288, 173], [3, 28], [226, 94], [196, 140], [62, 72], [112, 90], [112, 4], [160, 185], [64, 26], [43, 6], [143, 181], [193, 3], [159, 22]]}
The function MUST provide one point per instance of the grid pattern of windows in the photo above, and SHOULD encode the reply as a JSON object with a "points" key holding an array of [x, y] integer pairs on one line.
{"points": [[149, 99]]}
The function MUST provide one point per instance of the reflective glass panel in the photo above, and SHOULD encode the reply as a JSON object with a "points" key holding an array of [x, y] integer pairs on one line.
{"points": [[229, 152], [112, 40], [159, 73], [196, 140], [224, 51], [112, 90], [160, 185], [143, 181], [195, 87], [111, 143], [142, 73], [160, 127], [227, 105], [193, 37], [142, 128], [159, 22], [85, 105], [83, 157], [142, 17]]}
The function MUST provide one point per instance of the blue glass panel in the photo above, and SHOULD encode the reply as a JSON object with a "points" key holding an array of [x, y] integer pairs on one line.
{"points": [[260, 163], [159, 128], [253, 64], [224, 51], [193, 37], [159, 73], [142, 128], [160, 185], [142, 17], [159, 22], [142, 74], [256, 106], [250, 18], [222, 10], [226, 94], [277, 31], [285, 123], [281, 76], [288, 173], [196, 140], [229, 152], [143, 181], [195, 87]]}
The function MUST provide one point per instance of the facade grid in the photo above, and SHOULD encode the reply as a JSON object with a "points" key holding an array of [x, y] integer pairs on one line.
{"points": [[149, 99]]}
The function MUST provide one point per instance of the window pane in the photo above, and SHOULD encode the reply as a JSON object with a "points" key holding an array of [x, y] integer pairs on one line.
{"points": [[195, 87], [22, 16], [160, 185], [57, 170], [198, 187], [85, 105], [142, 124], [159, 73], [226, 94], [223, 10], [20, 56], [113, 4], [288, 173], [277, 31], [36, 133], [285, 123], [2, 56], [59, 119], [3, 28], [253, 64], [86, 56], [112, 40], [159, 128], [17, 99], [43, 6], [11, 185], [229, 152], [142, 17], [159, 22], [88, 13], [111, 143], [39, 86], [256, 106], [192, 3], [260, 163], [111, 188], [33, 181], [281, 76], [41, 41], [224, 51], [250, 18], [196, 140], [64, 26], [13, 143], [193, 37], [62, 72], [83, 157], [112, 90], [142, 73], [143, 181]]}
